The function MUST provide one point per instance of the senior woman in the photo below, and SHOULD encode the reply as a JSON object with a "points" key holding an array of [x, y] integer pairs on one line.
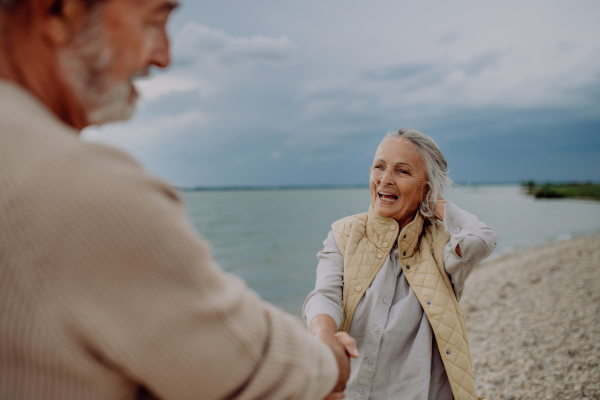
{"points": [[392, 278]]}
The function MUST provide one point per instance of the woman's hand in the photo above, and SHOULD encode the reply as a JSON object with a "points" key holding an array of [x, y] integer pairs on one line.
{"points": [[439, 208], [351, 350], [348, 342], [342, 346], [336, 396]]}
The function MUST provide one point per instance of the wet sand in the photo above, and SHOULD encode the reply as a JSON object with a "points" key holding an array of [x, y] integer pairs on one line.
{"points": [[534, 322]]}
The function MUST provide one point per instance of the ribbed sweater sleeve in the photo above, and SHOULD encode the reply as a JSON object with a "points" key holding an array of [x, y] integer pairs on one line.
{"points": [[129, 290]]}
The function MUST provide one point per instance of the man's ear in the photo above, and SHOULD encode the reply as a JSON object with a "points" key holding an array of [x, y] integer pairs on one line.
{"points": [[60, 19]]}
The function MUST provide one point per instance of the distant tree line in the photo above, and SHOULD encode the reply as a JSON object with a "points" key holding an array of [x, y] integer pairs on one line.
{"points": [[550, 190]]}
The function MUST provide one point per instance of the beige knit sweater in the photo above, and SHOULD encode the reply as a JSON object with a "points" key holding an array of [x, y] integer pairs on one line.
{"points": [[106, 291]]}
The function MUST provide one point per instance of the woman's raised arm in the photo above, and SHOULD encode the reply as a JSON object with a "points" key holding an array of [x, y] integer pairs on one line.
{"points": [[471, 241]]}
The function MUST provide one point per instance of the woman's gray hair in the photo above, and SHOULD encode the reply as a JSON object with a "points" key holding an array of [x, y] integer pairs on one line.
{"points": [[435, 164]]}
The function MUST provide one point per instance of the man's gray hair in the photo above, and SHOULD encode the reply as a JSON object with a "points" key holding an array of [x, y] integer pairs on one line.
{"points": [[435, 164]]}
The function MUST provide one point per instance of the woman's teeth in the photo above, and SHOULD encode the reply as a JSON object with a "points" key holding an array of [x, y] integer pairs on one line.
{"points": [[387, 197]]}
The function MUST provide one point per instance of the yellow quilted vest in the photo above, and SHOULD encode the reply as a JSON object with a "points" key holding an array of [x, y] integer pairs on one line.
{"points": [[365, 240]]}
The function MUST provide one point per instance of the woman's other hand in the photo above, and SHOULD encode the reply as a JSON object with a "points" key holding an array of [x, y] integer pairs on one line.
{"points": [[439, 209]]}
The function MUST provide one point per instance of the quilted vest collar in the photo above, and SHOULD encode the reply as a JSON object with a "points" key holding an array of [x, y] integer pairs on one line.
{"points": [[379, 227]]}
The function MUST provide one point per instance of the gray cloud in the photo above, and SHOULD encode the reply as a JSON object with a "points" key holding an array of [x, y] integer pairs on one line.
{"points": [[410, 76], [590, 92], [566, 46], [480, 63], [449, 38], [196, 41], [397, 72]]}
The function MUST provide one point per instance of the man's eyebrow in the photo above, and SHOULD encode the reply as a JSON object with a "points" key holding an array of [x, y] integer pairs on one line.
{"points": [[403, 163]]}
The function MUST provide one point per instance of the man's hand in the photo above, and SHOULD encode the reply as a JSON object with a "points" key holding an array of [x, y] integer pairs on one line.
{"points": [[342, 346]]}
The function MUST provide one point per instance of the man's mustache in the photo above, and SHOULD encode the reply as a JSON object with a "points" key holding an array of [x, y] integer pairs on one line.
{"points": [[143, 73]]}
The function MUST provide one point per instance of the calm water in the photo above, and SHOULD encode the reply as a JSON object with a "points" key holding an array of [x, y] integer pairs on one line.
{"points": [[271, 238]]}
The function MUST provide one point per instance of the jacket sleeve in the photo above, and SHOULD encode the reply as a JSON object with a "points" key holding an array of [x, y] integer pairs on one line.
{"points": [[327, 296], [141, 293], [476, 240]]}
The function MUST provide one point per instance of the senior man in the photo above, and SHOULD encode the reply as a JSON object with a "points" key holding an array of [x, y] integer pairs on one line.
{"points": [[106, 292]]}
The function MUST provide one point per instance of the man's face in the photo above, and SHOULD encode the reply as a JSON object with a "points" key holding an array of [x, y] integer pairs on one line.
{"points": [[120, 41]]}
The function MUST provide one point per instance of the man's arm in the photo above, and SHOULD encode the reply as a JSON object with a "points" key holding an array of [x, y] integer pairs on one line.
{"points": [[140, 289]]}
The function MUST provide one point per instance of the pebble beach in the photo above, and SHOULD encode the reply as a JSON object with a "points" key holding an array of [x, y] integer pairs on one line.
{"points": [[534, 322]]}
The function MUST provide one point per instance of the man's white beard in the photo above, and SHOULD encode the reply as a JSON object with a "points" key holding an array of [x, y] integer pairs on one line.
{"points": [[85, 66]]}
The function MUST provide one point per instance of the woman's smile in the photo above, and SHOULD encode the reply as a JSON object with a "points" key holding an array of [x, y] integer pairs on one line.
{"points": [[387, 197]]}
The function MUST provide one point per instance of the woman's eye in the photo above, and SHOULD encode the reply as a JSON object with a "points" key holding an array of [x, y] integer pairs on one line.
{"points": [[379, 167]]}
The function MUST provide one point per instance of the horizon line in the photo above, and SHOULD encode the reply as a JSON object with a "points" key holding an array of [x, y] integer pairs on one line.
{"points": [[308, 187], [348, 186]]}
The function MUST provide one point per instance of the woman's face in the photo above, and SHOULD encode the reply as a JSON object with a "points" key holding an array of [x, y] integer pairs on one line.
{"points": [[398, 178]]}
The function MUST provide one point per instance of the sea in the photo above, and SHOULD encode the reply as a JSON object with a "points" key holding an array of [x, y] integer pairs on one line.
{"points": [[270, 238]]}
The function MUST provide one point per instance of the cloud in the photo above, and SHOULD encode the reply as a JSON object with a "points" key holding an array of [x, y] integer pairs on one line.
{"points": [[565, 46], [397, 72], [275, 154], [196, 41], [165, 84], [146, 131], [449, 38], [480, 63]]}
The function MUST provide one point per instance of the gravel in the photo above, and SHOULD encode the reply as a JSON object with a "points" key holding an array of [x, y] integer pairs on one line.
{"points": [[534, 322]]}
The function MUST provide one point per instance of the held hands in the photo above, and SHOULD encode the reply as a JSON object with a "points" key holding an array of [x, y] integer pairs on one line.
{"points": [[347, 345], [342, 346]]}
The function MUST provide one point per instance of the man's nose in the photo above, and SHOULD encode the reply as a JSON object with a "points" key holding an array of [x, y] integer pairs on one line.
{"points": [[160, 51]]}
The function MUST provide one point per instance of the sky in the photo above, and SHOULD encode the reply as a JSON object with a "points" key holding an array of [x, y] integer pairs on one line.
{"points": [[275, 92]]}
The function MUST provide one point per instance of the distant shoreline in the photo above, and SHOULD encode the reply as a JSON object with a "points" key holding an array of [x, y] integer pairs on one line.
{"points": [[548, 190], [295, 187], [316, 187], [349, 186]]}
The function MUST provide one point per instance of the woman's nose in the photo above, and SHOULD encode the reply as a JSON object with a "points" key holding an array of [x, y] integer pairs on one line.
{"points": [[386, 179]]}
